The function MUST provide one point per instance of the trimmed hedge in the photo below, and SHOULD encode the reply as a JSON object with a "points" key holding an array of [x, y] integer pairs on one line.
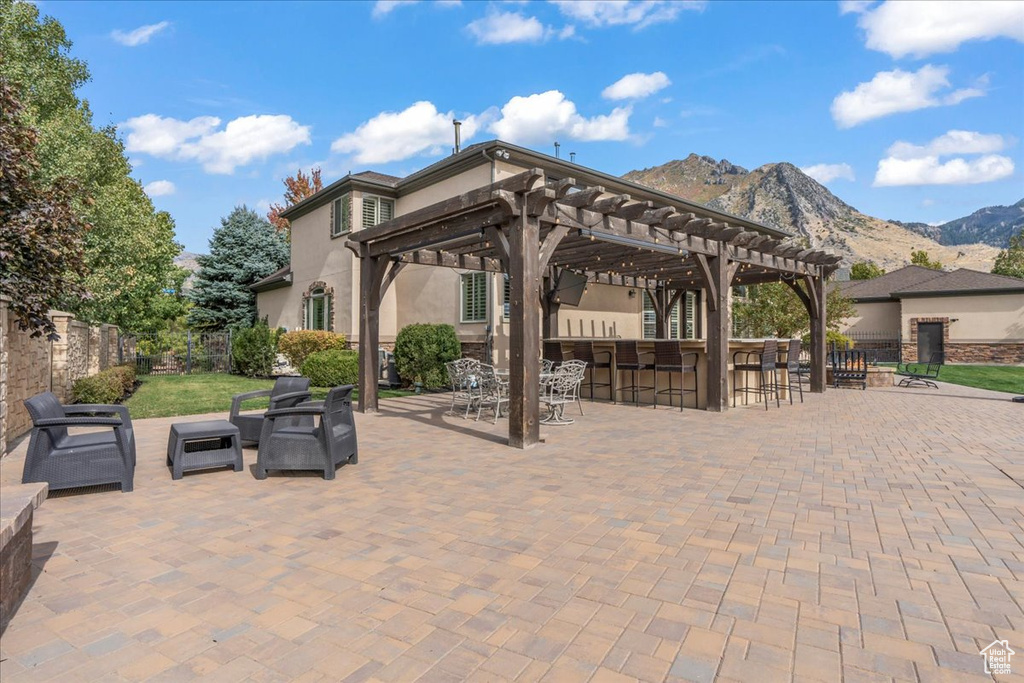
{"points": [[109, 386], [296, 346], [421, 350], [332, 368]]}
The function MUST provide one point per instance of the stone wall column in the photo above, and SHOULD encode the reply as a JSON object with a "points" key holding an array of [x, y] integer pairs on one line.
{"points": [[95, 344], [4, 412], [60, 369]]}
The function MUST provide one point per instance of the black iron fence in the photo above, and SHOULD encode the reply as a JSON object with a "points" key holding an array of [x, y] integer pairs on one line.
{"points": [[176, 353], [880, 347]]}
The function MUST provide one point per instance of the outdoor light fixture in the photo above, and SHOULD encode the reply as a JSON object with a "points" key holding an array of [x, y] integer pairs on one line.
{"points": [[628, 241]]}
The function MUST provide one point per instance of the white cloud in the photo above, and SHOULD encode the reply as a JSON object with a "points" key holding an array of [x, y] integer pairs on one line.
{"points": [[382, 8], [826, 173], [543, 117], [854, 6], [952, 142], [909, 164], [636, 85], [891, 92], [660, 122], [931, 26], [497, 28], [243, 140], [160, 188], [636, 13], [501, 28], [139, 36], [393, 136]]}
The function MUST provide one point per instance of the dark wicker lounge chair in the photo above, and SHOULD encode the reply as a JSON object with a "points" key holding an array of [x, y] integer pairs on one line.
{"points": [[70, 460], [286, 393], [305, 447]]}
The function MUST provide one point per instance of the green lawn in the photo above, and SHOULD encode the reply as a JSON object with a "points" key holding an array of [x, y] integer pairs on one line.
{"points": [[170, 395], [995, 377]]}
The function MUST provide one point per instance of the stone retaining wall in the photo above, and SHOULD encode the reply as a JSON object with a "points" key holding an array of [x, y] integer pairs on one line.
{"points": [[31, 365], [977, 353]]}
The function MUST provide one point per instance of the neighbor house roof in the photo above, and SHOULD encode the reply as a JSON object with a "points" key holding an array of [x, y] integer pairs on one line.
{"points": [[882, 287], [383, 178], [282, 277], [963, 281]]}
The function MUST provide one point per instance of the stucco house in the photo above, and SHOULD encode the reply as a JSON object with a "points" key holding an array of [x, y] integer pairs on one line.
{"points": [[319, 289], [965, 315]]}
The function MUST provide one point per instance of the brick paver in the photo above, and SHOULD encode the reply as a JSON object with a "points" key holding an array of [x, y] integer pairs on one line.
{"points": [[873, 535]]}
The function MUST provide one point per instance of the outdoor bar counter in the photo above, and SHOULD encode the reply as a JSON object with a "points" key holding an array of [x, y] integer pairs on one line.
{"points": [[604, 345]]}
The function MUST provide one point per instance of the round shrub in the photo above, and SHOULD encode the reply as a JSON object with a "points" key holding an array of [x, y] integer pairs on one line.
{"points": [[421, 350], [840, 340], [296, 346], [332, 368], [102, 388]]}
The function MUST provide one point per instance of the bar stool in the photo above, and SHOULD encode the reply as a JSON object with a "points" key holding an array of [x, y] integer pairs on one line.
{"points": [[669, 357], [794, 371], [553, 351], [627, 359], [764, 363], [584, 351]]}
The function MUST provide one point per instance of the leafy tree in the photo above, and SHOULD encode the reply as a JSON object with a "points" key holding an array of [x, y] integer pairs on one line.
{"points": [[774, 310], [170, 308], [1010, 261], [296, 188], [40, 231], [244, 249], [130, 248], [920, 258], [866, 270]]}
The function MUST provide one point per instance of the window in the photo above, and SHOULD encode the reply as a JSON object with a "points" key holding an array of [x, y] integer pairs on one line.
{"points": [[651, 325], [341, 215], [377, 210], [474, 298], [318, 310]]}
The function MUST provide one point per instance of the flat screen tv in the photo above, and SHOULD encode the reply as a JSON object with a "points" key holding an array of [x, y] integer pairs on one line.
{"points": [[569, 288]]}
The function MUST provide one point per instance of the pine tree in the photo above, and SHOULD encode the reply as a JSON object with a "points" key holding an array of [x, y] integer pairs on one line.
{"points": [[244, 249], [1010, 261]]}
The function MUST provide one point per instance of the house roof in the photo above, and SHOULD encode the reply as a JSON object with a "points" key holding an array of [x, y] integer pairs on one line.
{"points": [[963, 281], [882, 287], [485, 151], [282, 277]]}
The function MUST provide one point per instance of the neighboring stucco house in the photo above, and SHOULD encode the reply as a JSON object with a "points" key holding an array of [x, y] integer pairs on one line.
{"points": [[965, 315], [319, 289]]}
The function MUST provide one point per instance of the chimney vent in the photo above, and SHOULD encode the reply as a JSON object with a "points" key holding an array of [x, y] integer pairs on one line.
{"points": [[556, 148], [572, 157], [458, 136]]}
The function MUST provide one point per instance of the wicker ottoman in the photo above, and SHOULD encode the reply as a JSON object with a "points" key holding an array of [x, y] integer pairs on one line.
{"points": [[202, 445]]}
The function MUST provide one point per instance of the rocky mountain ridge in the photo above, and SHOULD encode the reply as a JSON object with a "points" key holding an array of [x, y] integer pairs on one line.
{"points": [[781, 195], [992, 225]]}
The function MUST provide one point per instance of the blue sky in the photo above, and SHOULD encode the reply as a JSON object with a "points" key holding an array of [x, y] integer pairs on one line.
{"points": [[912, 111]]}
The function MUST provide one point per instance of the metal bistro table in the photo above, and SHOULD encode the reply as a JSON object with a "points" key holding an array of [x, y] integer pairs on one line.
{"points": [[554, 413]]}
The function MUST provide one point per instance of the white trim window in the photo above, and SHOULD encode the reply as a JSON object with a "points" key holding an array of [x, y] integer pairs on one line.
{"points": [[341, 215], [377, 210], [318, 310], [683, 312], [474, 298]]}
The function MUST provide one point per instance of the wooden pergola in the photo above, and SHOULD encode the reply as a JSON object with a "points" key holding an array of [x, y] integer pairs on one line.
{"points": [[530, 228]]}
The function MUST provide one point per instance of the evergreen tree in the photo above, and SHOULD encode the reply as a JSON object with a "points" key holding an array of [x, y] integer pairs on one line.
{"points": [[1011, 260], [921, 258], [244, 249]]}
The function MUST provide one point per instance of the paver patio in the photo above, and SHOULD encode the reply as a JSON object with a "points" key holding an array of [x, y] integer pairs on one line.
{"points": [[860, 536]]}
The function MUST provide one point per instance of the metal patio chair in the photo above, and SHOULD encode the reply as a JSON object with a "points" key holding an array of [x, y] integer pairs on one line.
{"points": [[560, 390], [489, 390], [920, 374], [461, 376]]}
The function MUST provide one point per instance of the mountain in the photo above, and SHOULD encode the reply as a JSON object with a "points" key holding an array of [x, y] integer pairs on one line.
{"points": [[992, 225], [783, 196], [187, 260]]}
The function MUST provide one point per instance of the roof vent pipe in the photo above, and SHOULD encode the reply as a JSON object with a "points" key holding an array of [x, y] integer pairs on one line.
{"points": [[458, 136], [572, 157], [556, 148]]}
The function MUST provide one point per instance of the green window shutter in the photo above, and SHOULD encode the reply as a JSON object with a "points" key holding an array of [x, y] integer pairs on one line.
{"points": [[474, 297], [334, 229]]}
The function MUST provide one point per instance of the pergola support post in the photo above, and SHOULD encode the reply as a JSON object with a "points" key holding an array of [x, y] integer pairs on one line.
{"points": [[371, 275], [718, 276], [524, 331], [817, 293]]}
